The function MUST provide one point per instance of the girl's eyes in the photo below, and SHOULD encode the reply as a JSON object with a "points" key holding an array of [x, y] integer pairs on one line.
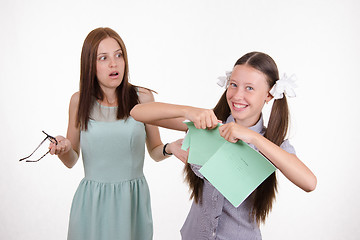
{"points": [[233, 84], [119, 55], [102, 58]]}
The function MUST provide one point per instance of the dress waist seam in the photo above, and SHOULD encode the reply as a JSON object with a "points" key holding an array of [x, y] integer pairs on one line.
{"points": [[112, 182]]}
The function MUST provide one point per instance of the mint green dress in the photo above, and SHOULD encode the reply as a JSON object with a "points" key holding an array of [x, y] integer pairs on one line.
{"points": [[113, 200]]}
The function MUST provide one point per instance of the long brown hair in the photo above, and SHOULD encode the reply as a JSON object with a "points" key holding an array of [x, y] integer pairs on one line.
{"points": [[89, 87], [276, 132]]}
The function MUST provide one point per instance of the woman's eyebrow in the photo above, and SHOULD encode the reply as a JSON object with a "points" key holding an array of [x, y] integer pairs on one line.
{"points": [[119, 50]]}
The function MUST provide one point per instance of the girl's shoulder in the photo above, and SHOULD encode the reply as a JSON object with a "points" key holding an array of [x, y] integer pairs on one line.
{"points": [[286, 145]]}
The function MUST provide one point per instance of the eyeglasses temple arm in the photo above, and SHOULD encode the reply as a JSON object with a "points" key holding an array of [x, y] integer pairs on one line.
{"points": [[35, 150]]}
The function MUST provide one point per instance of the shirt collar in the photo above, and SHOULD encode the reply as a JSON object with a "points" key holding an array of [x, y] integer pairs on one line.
{"points": [[258, 127]]}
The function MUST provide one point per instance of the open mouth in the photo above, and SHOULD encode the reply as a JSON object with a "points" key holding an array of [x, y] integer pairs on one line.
{"points": [[113, 74]]}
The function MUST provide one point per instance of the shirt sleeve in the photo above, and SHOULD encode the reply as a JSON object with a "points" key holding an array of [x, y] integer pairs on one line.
{"points": [[195, 168], [288, 147]]}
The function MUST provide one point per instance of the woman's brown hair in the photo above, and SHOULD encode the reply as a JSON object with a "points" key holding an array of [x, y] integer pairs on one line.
{"points": [[276, 132], [89, 87]]}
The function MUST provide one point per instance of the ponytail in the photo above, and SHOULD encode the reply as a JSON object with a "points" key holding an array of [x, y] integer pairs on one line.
{"points": [[278, 122], [276, 132], [195, 183]]}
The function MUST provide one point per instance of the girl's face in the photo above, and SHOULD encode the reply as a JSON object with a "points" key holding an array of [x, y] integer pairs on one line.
{"points": [[246, 95], [110, 64]]}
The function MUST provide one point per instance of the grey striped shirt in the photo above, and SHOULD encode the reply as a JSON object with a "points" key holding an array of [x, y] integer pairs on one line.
{"points": [[215, 217]]}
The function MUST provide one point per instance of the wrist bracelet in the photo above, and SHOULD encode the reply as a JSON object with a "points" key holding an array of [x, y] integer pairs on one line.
{"points": [[164, 152]]}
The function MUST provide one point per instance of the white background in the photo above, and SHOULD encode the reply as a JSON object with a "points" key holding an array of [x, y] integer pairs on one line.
{"points": [[179, 48]]}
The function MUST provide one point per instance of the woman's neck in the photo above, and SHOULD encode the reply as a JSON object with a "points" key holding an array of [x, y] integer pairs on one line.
{"points": [[109, 98]]}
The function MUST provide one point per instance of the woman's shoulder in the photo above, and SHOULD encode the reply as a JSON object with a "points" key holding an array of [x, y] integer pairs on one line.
{"points": [[145, 95], [74, 100]]}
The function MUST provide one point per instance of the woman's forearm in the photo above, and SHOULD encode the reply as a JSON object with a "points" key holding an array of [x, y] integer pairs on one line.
{"points": [[172, 116], [154, 111], [161, 114], [69, 158]]}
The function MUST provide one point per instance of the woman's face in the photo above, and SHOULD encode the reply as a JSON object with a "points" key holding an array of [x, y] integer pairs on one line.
{"points": [[110, 64], [246, 95]]}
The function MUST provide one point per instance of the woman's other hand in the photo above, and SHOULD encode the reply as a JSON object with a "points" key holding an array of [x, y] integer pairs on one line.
{"points": [[63, 146], [175, 149]]}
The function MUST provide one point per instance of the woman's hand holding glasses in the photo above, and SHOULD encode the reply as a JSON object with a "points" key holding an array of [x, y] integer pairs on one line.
{"points": [[63, 146]]}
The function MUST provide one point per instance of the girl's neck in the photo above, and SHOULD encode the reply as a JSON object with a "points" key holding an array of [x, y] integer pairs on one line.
{"points": [[248, 122]]}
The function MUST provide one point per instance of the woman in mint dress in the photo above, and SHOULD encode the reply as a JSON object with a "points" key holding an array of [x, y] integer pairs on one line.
{"points": [[112, 201]]}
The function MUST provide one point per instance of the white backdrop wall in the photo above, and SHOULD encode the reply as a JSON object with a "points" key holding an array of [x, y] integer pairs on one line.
{"points": [[179, 48]]}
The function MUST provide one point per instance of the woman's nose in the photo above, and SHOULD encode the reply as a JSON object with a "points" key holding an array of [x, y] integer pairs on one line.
{"points": [[112, 62]]}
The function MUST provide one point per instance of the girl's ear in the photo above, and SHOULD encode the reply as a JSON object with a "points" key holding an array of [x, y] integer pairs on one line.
{"points": [[268, 98]]}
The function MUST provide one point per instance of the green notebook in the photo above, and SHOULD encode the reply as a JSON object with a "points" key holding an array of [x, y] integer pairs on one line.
{"points": [[234, 169]]}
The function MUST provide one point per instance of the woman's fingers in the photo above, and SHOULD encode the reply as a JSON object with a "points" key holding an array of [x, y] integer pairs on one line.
{"points": [[204, 118], [62, 146], [175, 148]]}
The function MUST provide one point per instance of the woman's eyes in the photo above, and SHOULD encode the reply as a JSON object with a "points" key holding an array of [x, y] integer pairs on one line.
{"points": [[249, 88], [102, 58]]}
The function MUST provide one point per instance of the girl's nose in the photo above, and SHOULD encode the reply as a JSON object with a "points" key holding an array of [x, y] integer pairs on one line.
{"points": [[239, 94]]}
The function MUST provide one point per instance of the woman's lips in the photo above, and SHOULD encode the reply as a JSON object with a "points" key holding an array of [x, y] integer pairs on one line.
{"points": [[114, 74]]}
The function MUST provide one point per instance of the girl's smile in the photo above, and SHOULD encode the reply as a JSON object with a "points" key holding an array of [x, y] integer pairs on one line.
{"points": [[239, 106]]}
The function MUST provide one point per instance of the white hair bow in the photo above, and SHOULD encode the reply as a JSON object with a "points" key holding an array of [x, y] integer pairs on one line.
{"points": [[224, 80], [285, 85]]}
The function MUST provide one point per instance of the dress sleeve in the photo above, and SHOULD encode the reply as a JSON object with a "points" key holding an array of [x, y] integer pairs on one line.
{"points": [[288, 147]]}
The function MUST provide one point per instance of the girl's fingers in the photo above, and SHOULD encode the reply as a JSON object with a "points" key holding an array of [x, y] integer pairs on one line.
{"points": [[222, 130], [227, 133]]}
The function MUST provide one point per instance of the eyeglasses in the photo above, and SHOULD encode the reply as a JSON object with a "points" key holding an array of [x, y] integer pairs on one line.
{"points": [[51, 139]]}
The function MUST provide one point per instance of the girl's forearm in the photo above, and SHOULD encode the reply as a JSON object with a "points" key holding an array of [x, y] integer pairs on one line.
{"points": [[289, 164]]}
